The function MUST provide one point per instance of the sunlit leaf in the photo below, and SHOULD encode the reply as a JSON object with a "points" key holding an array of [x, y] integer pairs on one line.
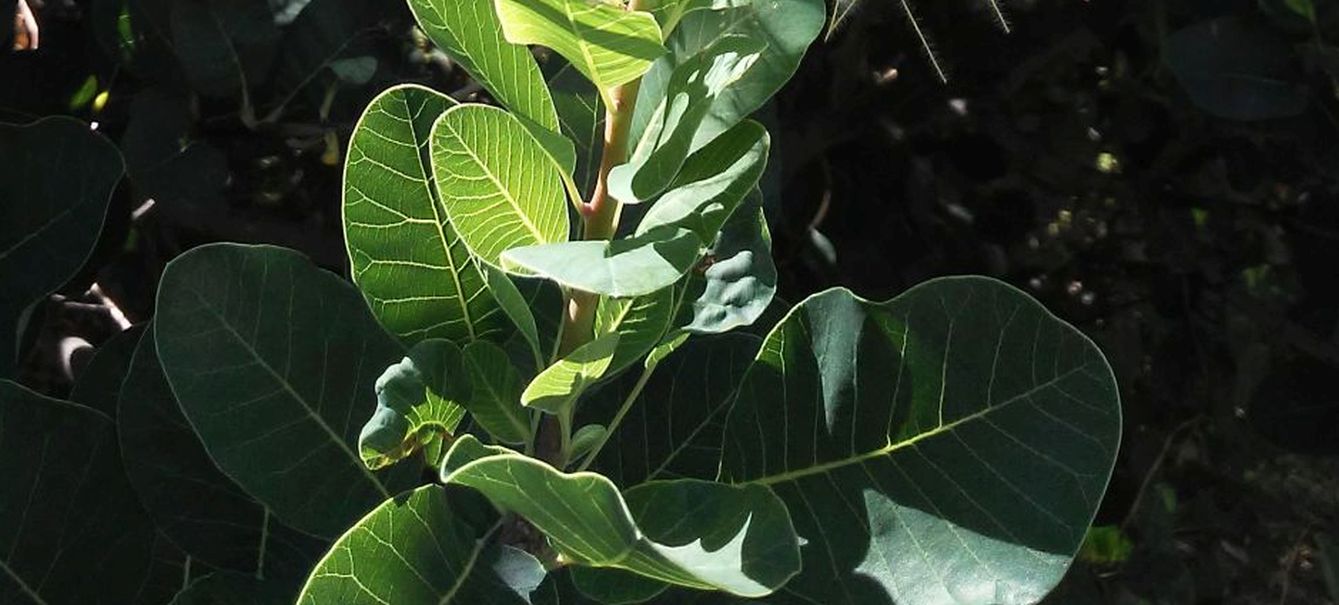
{"points": [[699, 534], [496, 182], [958, 432], [607, 43], [412, 268]]}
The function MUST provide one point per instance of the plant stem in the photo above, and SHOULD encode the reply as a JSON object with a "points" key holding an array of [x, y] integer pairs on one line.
{"points": [[618, 418], [599, 222]]}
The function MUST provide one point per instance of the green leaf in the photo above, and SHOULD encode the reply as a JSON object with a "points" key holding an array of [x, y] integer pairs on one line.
{"points": [[674, 428], [693, 87], [581, 117], [620, 268], [496, 400], [713, 182], [71, 528], [194, 504], [557, 388], [99, 383], [470, 32], [1235, 69], [467, 449], [516, 306], [949, 445], [406, 257], [274, 361], [585, 438], [738, 285], [166, 159], [640, 324], [229, 588], [668, 13], [225, 46], [699, 534], [55, 184], [431, 545], [495, 183], [418, 403], [785, 27], [611, 46]]}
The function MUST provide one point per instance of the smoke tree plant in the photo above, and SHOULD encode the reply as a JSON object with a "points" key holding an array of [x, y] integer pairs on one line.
{"points": [[546, 383]]}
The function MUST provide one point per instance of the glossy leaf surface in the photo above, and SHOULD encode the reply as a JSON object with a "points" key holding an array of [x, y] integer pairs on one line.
{"points": [[949, 445], [245, 337]]}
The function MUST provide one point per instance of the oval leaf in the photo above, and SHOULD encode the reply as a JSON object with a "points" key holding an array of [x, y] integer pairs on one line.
{"points": [[198, 507], [71, 528], [55, 184], [713, 182], [556, 389], [431, 545], [273, 361], [949, 445], [495, 182], [495, 402], [405, 256], [610, 45], [1237, 70], [621, 268], [691, 533], [470, 33]]}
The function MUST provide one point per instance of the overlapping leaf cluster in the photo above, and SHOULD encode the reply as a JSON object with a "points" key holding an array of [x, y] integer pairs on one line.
{"points": [[949, 445]]}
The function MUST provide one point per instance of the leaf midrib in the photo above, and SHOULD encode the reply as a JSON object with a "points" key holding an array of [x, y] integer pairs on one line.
{"points": [[23, 586], [506, 193], [893, 447], [287, 387]]}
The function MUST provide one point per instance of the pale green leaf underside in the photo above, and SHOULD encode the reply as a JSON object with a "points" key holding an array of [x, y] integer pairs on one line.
{"points": [[950, 445], [470, 32], [405, 256], [431, 545], [741, 281], [608, 44], [419, 401], [498, 186], [556, 389], [693, 87], [640, 323], [786, 27], [699, 534], [269, 355], [621, 268], [712, 184]]}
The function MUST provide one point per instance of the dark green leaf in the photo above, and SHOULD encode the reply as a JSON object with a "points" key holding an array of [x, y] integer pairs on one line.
{"points": [[405, 256], [193, 503], [1237, 70], [431, 545], [273, 362], [71, 529], [228, 588], [165, 159], [738, 285], [225, 46], [674, 428], [712, 183], [949, 445], [55, 184], [99, 383], [581, 116], [495, 402]]}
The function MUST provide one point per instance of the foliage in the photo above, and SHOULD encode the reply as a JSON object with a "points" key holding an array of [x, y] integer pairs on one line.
{"points": [[547, 349]]}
